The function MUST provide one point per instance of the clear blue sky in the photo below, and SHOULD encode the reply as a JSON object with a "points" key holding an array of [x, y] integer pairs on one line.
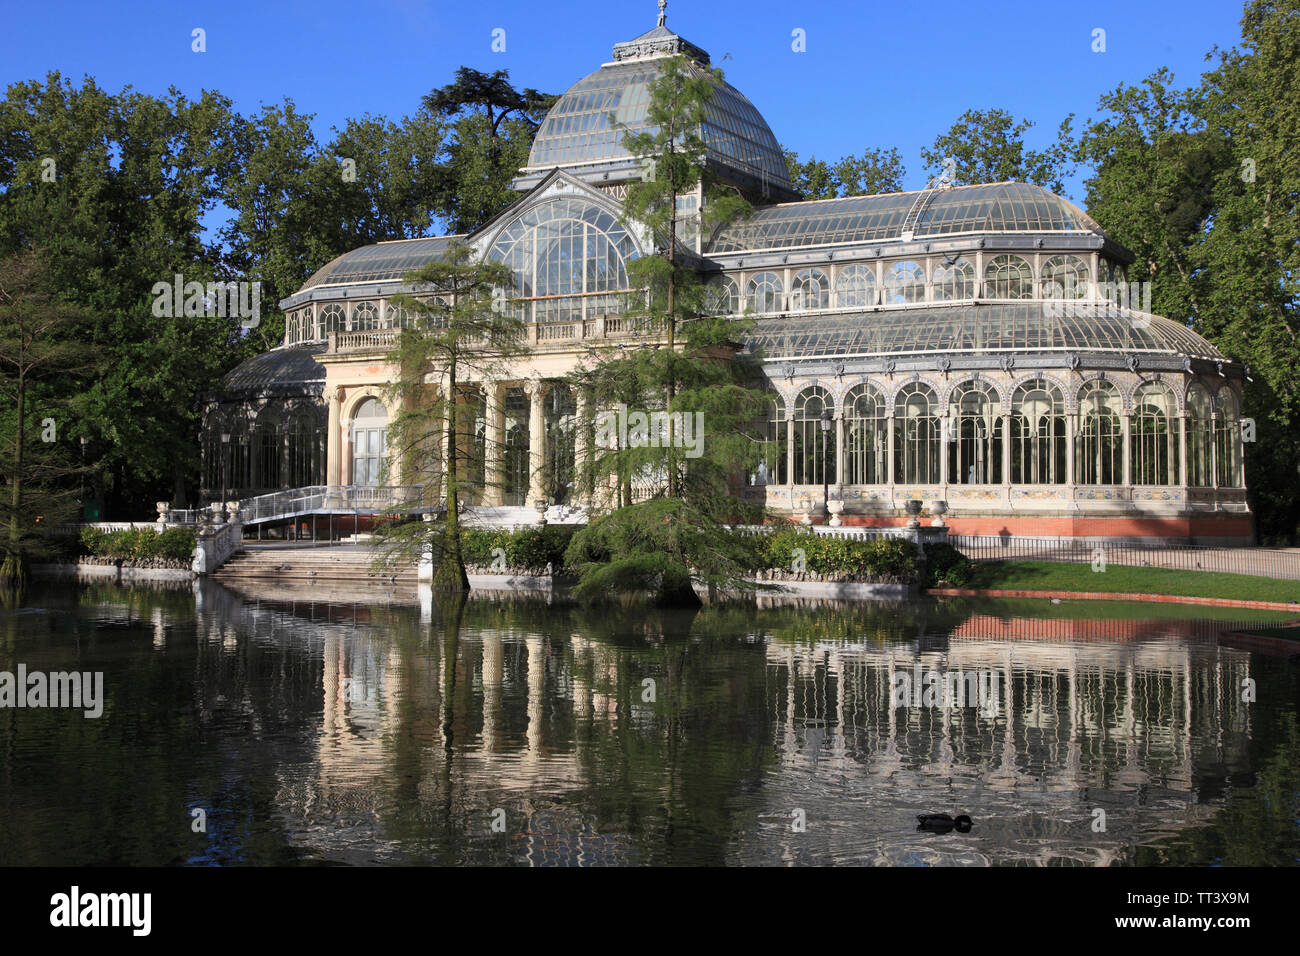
{"points": [[874, 74]]}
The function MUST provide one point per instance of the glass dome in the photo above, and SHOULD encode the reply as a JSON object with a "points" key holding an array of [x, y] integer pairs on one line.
{"points": [[580, 129], [382, 262]]}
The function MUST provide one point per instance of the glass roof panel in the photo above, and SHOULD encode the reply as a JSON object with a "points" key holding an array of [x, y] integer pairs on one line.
{"points": [[989, 328], [993, 207], [578, 129], [383, 262]]}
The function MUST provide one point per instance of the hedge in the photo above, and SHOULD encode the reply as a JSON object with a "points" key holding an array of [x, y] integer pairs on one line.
{"points": [[175, 544]]}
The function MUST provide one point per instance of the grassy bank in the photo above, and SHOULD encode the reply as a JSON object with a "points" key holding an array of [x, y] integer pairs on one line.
{"points": [[1118, 579]]}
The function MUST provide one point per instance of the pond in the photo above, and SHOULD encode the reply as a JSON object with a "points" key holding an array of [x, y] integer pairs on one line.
{"points": [[297, 728]]}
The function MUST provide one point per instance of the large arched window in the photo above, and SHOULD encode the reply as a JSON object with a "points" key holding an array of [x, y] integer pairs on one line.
{"points": [[814, 443], [1227, 436], [1153, 439], [975, 439], [515, 480], [770, 434], [1008, 277], [811, 290], [904, 282], [916, 435], [763, 293], [1200, 437], [1065, 277], [1099, 452], [569, 258], [369, 437], [866, 439], [304, 449], [266, 450], [1037, 434], [561, 421], [855, 287], [954, 281]]}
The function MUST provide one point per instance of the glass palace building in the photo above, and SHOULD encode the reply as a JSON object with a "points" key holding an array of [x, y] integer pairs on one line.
{"points": [[963, 344]]}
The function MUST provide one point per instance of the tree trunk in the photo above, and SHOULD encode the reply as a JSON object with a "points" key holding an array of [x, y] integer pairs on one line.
{"points": [[450, 574], [14, 569]]}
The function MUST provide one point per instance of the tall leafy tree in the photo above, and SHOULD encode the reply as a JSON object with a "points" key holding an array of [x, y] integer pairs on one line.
{"points": [[37, 345], [492, 129], [677, 535], [459, 328], [988, 146], [873, 172]]}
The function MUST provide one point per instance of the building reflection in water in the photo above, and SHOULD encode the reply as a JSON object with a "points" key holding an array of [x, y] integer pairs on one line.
{"points": [[426, 730]]}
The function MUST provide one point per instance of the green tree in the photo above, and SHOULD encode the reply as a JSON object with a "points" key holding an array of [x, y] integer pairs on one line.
{"points": [[459, 328], [492, 129], [37, 344], [662, 543], [988, 146], [874, 172]]}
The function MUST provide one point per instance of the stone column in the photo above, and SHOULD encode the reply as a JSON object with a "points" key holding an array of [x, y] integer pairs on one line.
{"points": [[536, 441], [494, 443], [945, 423], [840, 459], [1069, 454], [333, 449], [789, 452], [1006, 452]]}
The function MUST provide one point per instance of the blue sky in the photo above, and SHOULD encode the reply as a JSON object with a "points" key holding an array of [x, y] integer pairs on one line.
{"points": [[874, 74]]}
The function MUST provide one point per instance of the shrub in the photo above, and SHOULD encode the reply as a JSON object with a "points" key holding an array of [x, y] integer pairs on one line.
{"points": [[831, 554], [526, 549], [130, 544], [945, 564]]}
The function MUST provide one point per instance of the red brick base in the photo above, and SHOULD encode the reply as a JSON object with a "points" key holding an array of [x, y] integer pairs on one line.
{"points": [[1236, 527]]}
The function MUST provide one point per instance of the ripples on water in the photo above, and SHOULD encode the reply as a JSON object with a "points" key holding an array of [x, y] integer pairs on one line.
{"points": [[369, 730]]}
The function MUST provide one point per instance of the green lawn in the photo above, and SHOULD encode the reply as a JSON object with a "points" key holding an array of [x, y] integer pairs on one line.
{"points": [[1119, 579]]}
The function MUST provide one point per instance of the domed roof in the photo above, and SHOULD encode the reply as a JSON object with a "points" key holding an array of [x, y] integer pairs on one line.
{"points": [[580, 129], [985, 208], [382, 262], [282, 371]]}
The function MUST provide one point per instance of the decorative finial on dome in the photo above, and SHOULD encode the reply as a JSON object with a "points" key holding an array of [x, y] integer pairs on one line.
{"points": [[663, 12]]}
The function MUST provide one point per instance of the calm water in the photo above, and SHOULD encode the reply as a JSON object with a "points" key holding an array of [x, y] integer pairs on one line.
{"points": [[364, 730]]}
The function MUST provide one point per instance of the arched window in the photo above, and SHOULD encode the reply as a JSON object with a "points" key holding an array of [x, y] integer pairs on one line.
{"points": [[904, 282], [811, 290], [369, 436], [561, 421], [266, 451], [814, 444], [1065, 277], [569, 258], [763, 294], [1008, 277], [304, 449], [770, 434], [396, 317], [855, 287], [721, 296], [1099, 444], [954, 281], [1227, 435], [333, 317], [239, 472], [1037, 434], [975, 435], [866, 437], [1153, 441], [916, 435], [1200, 437], [365, 317]]}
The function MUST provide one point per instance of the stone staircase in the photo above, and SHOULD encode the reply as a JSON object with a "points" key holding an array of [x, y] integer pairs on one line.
{"points": [[307, 564]]}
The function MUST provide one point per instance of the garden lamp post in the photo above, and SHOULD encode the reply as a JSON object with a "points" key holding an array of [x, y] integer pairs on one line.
{"points": [[225, 457]]}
